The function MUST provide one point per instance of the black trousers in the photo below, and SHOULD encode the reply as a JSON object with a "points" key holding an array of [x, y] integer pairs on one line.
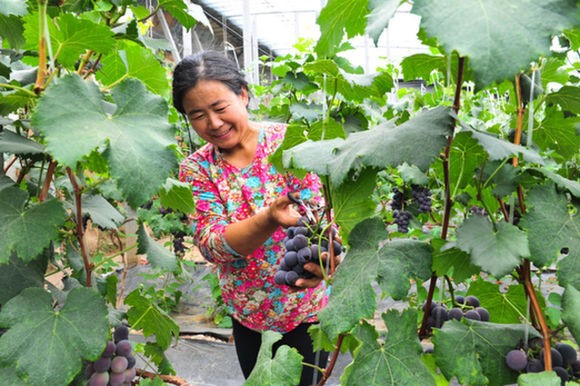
{"points": [[248, 344]]}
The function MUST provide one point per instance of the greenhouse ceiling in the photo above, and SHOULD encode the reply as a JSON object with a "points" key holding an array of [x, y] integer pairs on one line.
{"points": [[278, 24]]}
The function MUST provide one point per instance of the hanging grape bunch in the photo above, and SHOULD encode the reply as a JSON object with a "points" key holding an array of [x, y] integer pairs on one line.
{"points": [[116, 366], [530, 359], [467, 307], [403, 200], [304, 242]]}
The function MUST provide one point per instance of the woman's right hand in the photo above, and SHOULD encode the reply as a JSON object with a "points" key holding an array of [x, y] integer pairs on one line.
{"points": [[282, 212]]}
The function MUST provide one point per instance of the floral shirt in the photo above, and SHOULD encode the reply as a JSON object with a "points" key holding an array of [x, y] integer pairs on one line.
{"points": [[224, 194]]}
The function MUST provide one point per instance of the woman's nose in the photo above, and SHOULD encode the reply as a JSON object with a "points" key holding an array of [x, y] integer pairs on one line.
{"points": [[213, 120]]}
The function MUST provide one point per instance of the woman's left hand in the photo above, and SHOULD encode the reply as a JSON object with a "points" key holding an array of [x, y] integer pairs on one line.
{"points": [[315, 269]]}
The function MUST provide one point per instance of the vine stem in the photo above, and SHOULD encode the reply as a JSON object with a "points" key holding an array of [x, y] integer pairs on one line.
{"points": [[79, 225], [41, 74], [328, 371], [448, 199], [47, 181]]}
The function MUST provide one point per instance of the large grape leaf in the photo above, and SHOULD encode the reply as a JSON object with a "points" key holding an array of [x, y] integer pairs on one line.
{"points": [[571, 311], [17, 275], [465, 156], [395, 362], [559, 134], [49, 345], [545, 378], [572, 186], [10, 377], [337, 18], [136, 137], [13, 7], [17, 144], [177, 195], [70, 37], [351, 201], [132, 60], [453, 262], [284, 369], [496, 250], [27, 231], [147, 316], [157, 255], [102, 212], [503, 306], [500, 40], [475, 351], [370, 258], [385, 145], [550, 228], [567, 97], [381, 12], [12, 29], [186, 12]]}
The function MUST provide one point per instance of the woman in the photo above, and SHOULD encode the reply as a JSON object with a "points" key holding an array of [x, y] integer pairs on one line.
{"points": [[243, 208]]}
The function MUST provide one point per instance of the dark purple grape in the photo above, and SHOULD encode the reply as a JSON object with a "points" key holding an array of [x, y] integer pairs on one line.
{"points": [[299, 269], [109, 349], [536, 343], [557, 360], [455, 313], [99, 379], [472, 301], [290, 259], [568, 353], [124, 348], [89, 370], [314, 252], [301, 231], [102, 365], [337, 247], [483, 313], [291, 278], [117, 379], [459, 299], [562, 373], [440, 315], [472, 314], [290, 232], [289, 245], [130, 374], [300, 241], [534, 366], [121, 333], [119, 364], [280, 277], [516, 360], [575, 368], [304, 255], [131, 361]]}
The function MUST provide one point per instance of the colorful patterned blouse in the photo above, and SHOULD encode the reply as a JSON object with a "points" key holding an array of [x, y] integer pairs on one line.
{"points": [[223, 194]]}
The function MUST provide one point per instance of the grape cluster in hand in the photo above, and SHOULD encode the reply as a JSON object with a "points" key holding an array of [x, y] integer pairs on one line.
{"points": [[116, 366], [565, 360], [468, 307], [303, 243]]}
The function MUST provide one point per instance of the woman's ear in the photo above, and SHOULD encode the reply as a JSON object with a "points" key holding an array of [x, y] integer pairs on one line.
{"points": [[245, 95]]}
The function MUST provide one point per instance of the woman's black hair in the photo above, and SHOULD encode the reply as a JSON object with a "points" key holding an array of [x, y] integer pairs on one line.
{"points": [[205, 65]]}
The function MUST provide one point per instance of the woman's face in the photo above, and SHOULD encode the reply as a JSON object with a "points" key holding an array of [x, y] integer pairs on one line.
{"points": [[217, 114]]}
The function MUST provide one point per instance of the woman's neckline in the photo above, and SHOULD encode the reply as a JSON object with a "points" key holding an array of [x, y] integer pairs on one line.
{"points": [[259, 129]]}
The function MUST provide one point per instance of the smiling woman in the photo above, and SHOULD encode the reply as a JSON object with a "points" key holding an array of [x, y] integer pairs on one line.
{"points": [[242, 208]]}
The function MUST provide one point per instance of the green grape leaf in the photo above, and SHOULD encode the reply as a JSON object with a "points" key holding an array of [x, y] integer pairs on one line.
{"points": [[385, 145], [13, 7], [545, 378], [17, 275], [131, 60], [503, 306], [454, 262], [351, 201], [70, 37], [176, 195], [550, 227], [135, 139], [185, 12], [475, 351], [102, 212], [337, 18], [553, 70], [10, 377], [572, 186], [567, 97], [412, 175], [49, 345], [12, 29], [499, 149], [497, 251], [571, 311], [569, 269], [283, 370], [420, 66], [17, 144], [466, 155], [391, 263], [157, 356], [500, 40], [559, 134], [381, 12], [157, 255], [147, 316], [397, 361], [27, 231]]}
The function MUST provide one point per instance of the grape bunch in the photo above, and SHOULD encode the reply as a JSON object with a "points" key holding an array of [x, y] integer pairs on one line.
{"points": [[402, 218], [422, 196], [530, 359], [116, 366], [178, 246], [304, 242], [468, 307]]}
